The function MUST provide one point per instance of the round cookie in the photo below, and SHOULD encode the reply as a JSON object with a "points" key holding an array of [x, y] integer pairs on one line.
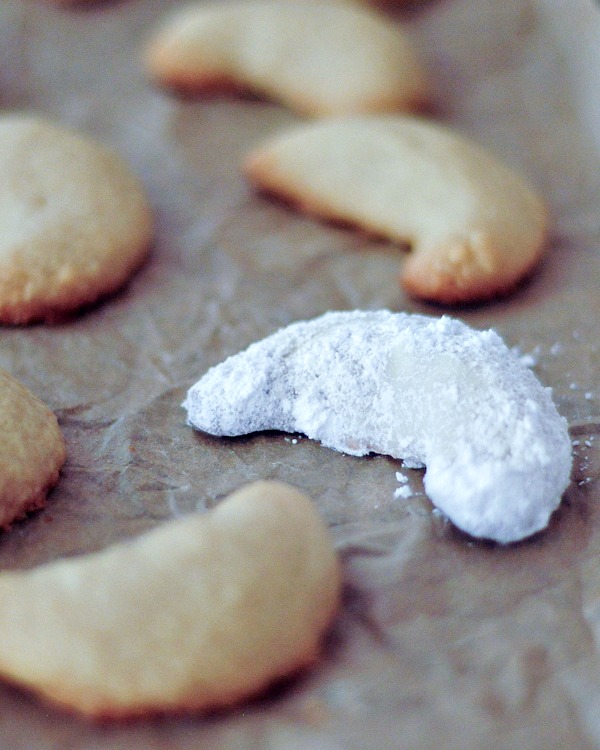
{"points": [[75, 221], [32, 450]]}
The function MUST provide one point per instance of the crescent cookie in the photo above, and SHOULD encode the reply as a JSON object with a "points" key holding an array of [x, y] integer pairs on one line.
{"points": [[318, 57], [32, 451], [75, 222], [432, 392], [199, 613], [475, 227]]}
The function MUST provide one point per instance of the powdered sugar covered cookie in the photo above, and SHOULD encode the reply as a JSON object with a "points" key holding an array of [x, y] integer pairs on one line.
{"points": [[316, 56], [474, 226], [431, 391]]}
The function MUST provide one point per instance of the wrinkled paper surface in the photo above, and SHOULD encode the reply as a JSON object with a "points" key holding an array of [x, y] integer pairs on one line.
{"points": [[442, 641]]}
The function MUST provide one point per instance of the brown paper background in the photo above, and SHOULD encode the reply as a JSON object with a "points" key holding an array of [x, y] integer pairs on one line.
{"points": [[443, 641]]}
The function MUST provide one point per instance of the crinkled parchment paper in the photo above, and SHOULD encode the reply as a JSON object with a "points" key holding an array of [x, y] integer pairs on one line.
{"points": [[443, 642]]}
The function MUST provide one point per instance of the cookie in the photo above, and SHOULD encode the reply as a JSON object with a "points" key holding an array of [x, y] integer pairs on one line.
{"points": [[32, 451], [199, 613], [76, 222], [318, 57], [475, 227], [432, 392]]}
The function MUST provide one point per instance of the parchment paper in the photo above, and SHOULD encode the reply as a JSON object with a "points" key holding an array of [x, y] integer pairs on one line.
{"points": [[443, 641]]}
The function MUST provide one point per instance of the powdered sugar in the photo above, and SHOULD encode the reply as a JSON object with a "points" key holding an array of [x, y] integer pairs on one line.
{"points": [[404, 492], [431, 391]]}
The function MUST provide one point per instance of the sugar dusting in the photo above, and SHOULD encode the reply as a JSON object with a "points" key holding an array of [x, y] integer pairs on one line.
{"points": [[431, 391], [404, 492]]}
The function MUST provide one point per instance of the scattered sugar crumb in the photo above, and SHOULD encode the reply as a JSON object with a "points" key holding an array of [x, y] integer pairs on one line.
{"points": [[412, 464], [529, 359], [556, 348], [403, 492]]}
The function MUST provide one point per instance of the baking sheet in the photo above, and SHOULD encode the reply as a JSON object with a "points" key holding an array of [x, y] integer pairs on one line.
{"points": [[443, 641]]}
